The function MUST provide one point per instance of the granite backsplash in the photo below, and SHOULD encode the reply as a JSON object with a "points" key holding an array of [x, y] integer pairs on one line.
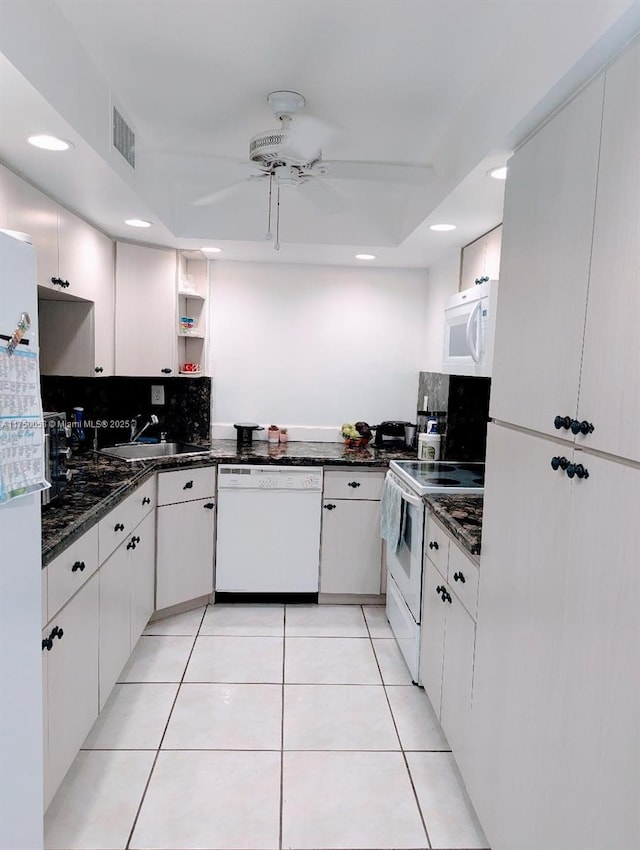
{"points": [[461, 405], [114, 401]]}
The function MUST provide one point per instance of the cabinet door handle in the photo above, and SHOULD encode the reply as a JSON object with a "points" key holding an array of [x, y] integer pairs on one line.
{"points": [[131, 544], [166, 370], [118, 527], [583, 427], [47, 644], [188, 485], [353, 484], [559, 463], [459, 577], [581, 471], [562, 422], [446, 597], [79, 565], [329, 507], [209, 506], [99, 369], [146, 501], [433, 544], [570, 470], [136, 539], [56, 632]]}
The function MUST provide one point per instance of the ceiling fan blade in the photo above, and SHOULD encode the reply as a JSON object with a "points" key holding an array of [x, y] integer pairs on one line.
{"points": [[306, 136], [322, 196], [226, 191], [377, 172]]}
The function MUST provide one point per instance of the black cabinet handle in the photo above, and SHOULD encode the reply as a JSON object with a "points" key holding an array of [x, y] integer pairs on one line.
{"points": [[329, 507], [570, 470], [118, 527], [446, 597], [581, 471], [440, 589], [188, 485], [47, 644], [559, 462], [136, 539], [459, 577], [209, 506], [146, 501], [131, 544], [56, 632], [433, 544], [57, 281], [79, 565], [353, 484], [562, 422], [583, 427], [99, 369], [166, 370]]}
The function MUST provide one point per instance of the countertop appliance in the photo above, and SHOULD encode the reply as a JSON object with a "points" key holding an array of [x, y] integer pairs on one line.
{"points": [[56, 455], [268, 529], [404, 569], [20, 597], [245, 434], [390, 435], [469, 329]]}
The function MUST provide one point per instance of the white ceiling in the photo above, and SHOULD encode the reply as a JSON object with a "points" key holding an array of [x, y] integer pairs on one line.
{"points": [[451, 83]]}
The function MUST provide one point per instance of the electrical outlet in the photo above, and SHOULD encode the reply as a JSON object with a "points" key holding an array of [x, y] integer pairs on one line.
{"points": [[157, 394]]}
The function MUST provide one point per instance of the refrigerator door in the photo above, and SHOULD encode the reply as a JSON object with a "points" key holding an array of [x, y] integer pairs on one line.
{"points": [[20, 600]]}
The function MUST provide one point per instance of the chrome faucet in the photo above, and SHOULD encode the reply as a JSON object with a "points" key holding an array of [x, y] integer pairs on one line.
{"points": [[135, 435]]}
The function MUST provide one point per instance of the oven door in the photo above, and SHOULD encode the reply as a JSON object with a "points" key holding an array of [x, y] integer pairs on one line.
{"points": [[406, 565]]}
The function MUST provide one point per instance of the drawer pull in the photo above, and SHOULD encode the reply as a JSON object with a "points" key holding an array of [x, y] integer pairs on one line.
{"points": [[446, 597], [562, 422], [459, 577], [136, 539], [581, 471], [166, 370], [559, 462], [188, 485], [118, 527], [583, 427], [433, 544], [329, 507], [99, 369], [146, 501], [47, 644], [353, 484], [209, 506], [440, 589], [79, 565], [56, 632]]}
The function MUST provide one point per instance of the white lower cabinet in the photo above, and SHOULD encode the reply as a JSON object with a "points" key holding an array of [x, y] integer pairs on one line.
{"points": [[351, 547], [185, 552], [115, 619], [143, 576], [70, 668], [447, 636]]}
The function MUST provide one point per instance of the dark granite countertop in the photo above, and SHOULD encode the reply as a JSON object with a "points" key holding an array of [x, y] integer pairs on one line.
{"points": [[462, 516], [99, 482]]}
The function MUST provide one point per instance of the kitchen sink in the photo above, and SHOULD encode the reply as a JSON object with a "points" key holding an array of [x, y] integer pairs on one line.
{"points": [[150, 451]]}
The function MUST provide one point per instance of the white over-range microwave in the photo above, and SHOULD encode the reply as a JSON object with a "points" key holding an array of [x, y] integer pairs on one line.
{"points": [[469, 326]]}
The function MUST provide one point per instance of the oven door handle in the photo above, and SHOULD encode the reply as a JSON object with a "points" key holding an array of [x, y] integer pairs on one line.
{"points": [[412, 500]]}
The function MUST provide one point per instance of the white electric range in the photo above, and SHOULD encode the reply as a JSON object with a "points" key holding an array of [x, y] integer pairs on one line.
{"points": [[418, 478]]}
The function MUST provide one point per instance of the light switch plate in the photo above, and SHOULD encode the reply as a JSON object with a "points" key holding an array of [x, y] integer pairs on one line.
{"points": [[157, 394]]}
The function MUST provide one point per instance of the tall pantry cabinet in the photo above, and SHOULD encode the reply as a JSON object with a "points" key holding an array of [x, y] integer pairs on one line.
{"points": [[556, 696]]}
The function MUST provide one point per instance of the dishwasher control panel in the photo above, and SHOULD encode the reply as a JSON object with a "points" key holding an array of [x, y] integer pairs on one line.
{"points": [[249, 477]]}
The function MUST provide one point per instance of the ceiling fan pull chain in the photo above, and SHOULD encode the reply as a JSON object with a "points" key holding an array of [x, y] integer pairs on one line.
{"points": [[269, 234], [277, 244]]}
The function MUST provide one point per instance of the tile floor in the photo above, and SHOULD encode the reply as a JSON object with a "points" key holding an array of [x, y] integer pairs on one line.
{"points": [[260, 727]]}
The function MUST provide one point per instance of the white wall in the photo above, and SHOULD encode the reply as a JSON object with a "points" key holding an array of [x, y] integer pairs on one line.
{"points": [[315, 345], [443, 281]]}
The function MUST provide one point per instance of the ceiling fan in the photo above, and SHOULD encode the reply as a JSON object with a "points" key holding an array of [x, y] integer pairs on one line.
{"points": [[291, 155]]}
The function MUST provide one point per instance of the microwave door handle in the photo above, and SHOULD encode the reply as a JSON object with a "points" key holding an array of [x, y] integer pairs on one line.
{"points": [[474, 351]]}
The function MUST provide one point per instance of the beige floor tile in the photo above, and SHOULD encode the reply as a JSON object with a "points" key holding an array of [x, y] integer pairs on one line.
{"points": [[325, 621], [392, 665], [418, 726], [376, 617], [330, 661], [223, 658], [247, 620], [161, 658], [134, 718], [186, 623]]}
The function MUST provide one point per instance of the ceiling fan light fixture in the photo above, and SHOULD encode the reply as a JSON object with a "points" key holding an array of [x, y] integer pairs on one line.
{"points": [[442, 228], [285, 102], [365, 256]]}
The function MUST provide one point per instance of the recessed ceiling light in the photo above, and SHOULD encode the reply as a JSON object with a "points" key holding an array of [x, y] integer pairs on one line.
{"points": [[211, 250], [49, 143], [365, 256], [442, 227], [499, 173], [137, 222]]}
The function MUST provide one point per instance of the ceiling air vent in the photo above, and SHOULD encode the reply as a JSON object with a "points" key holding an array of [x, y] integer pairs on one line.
{"points": [[124, 139]]}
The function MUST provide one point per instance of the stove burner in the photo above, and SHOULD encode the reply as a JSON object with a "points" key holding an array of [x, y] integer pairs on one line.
{"points": [[479, 481], [446, 482]]}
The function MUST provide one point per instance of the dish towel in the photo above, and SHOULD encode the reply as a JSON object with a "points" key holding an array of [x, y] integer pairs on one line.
{"points": [[392, 514]]}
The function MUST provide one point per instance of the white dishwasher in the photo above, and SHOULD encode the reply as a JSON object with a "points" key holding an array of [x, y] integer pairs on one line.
{"points": [[268, 529]]}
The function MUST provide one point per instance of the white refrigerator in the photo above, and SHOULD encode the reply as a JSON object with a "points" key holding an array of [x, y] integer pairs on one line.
{"points": [[21, 737]]}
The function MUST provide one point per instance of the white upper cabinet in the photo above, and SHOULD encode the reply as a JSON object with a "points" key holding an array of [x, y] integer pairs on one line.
{"points": [[546, 249], [29, 211], [481, 258], [145, 310], [610, 381]]}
